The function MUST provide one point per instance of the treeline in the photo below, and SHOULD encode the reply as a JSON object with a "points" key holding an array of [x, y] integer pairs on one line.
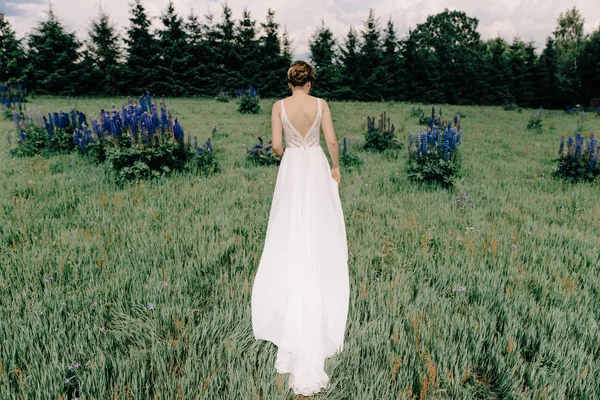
{"points": [[186, 56], [443, 60]]}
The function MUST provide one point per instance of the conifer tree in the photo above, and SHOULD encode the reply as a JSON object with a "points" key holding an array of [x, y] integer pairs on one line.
{"points": [[174, 56], [498, 73], [53, 58], [12, 56], [547, 85], [198, 77], [247, 58], [142, 52], [589, 67], [103, 55], [227, 68], [322, 46], [394, 74], [370, 70], [350, 64], [273, 72]]}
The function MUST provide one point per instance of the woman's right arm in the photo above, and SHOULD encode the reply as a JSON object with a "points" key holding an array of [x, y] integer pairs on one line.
{"points": [[331, 140]]}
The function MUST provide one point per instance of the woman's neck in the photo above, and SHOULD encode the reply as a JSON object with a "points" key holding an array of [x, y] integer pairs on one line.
{"points": [[299, 92]]}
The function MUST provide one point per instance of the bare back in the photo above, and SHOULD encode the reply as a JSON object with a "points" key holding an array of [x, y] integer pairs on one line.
{"points": [[302, 112]]}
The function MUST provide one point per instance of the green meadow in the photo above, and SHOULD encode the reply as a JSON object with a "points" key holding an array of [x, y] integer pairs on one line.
{"points": [[143, 291]]}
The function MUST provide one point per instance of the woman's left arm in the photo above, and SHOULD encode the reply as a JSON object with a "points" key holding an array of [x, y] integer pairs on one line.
{"points": [[276, 129]]}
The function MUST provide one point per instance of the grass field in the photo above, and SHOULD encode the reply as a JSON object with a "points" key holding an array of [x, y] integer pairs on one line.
{"points": [[528, 255]]}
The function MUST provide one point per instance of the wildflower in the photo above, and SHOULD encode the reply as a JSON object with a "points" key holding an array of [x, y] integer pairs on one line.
{"points": [[150, 306], [514, 246], [165, 283], [102, 329], [49, 279], [95, 304], [67, 380]]}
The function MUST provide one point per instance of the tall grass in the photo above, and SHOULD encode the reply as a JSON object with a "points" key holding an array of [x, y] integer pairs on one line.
{"points": [[83, 267]]}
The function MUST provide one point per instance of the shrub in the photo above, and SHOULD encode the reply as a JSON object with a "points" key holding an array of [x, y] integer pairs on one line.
{"points": [[510, 107], [249, 101], [578, 162], [249, 105], [204, 160], [11, 98], [348, 158], [138, 144], [262, 154], [55, 137], [381, 137], [429, 120], [535, 120], [222, 97], [434, 155]]}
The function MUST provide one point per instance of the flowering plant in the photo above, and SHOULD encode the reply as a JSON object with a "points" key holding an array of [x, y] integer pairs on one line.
{"points": [[434, 155], [578, 161]]}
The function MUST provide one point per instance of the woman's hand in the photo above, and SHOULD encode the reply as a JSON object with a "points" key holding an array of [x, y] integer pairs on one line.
{"points": [[335, 174]]}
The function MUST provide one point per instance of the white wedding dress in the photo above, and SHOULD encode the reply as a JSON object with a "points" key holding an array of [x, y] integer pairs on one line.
{"points": [[300, 292]]}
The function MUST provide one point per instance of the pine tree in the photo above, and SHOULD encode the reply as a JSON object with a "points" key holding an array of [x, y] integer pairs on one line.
{"points": [[393, 87], [589, 67], [247, 57], [142, 52], [498, 74], [423, 79], [174, 57], [12, 56], [286, 47], [198, 75], [322, 47], [103, 54], [212, 54], [273, 74], [522, 62], [547, 85], [370, 71], [350, 64], [53, 58], [227, 70]]}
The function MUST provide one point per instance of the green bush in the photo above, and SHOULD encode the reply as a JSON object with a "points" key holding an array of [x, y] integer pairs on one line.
{"points": [[381, 137], [222, 97], [35, 140], [262, 154], [348, 158], [578, 162], [249, 105], [535, 120], [434, 156]]}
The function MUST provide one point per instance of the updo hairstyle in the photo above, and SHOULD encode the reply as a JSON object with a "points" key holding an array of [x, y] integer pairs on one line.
{"points": [[300, 73]]}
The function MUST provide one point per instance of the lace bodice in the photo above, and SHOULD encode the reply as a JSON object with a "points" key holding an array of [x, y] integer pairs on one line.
{"points": [[293, 138]]}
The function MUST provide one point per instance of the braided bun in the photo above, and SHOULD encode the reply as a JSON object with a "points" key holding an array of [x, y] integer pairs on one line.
{"points": [[300, 73]]}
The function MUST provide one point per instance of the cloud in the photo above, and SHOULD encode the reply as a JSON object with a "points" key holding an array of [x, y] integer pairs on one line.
{"points": [[531, 20]]}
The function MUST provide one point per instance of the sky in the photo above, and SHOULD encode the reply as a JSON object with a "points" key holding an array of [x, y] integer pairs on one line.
{"points": [[531, 20]]}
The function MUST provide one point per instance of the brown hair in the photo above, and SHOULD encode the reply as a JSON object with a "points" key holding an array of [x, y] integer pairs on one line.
{"points": [[300, 73]]}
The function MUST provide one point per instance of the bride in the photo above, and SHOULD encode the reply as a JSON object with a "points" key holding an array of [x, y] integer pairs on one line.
{"points": [[300, 292]]}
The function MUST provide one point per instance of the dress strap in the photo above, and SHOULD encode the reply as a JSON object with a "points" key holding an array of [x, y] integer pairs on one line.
{"points": [[319, 102]]}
